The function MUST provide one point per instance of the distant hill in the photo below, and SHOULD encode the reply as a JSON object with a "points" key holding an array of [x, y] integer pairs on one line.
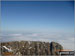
{"points": [[32, 48]]}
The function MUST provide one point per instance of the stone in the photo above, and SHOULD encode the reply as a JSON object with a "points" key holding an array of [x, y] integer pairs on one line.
{"points": [[33, 47]]}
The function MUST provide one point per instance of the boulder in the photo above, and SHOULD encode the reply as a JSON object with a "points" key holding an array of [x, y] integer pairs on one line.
{"points": [[55, 47]]}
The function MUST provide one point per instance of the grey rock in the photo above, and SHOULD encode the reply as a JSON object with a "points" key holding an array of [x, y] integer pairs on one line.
{"points": [[33, 47]]}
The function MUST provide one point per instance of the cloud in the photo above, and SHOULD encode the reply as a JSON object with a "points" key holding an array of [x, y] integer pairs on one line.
{"points": [[33, 35], [65, 39], [15, 34]]}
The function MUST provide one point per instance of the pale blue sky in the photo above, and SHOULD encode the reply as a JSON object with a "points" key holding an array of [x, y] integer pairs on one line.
{"points": [[37, 16]]}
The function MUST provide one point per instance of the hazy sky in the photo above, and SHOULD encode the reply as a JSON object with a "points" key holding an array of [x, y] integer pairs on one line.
{"points": [[38, 21]]}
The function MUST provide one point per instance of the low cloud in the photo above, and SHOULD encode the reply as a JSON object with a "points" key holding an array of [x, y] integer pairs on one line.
{"points": [[65, 39]]}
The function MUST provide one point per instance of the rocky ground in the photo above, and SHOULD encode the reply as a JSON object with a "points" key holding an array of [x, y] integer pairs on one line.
{"points": [[32, 48]]}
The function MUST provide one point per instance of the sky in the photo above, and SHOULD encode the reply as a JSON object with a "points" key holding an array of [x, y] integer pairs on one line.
{"points": [[40, 21]]}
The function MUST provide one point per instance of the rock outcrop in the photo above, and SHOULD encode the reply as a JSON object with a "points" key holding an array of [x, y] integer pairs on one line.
{"points": [[32, 47], [54, 47]]}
